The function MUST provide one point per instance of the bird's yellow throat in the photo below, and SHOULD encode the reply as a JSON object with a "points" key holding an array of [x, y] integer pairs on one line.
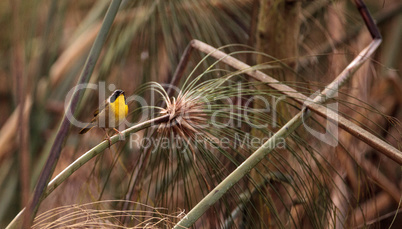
{"points": [[119, 108]]}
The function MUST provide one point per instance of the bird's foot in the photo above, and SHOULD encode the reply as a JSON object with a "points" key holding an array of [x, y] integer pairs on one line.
{"points": [[108, 139], [121, 135]]}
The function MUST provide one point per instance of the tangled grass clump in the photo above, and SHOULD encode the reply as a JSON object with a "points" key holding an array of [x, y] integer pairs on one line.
{"points": [[102, 214]]}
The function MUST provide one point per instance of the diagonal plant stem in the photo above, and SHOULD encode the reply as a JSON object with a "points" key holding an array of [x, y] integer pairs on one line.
{"points": [[241, 171], [67, 172], [289, 127], [62, 176], [54, 155], [285, 131], [321, 110]]}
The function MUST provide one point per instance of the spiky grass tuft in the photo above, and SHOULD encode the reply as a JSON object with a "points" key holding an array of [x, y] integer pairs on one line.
{"points": [[187, 116]]}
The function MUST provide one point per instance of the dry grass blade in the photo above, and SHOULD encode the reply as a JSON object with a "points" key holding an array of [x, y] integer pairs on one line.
{"points": [[101, 214]]}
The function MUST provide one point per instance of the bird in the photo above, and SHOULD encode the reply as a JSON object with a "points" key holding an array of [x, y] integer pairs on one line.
{"points": [[110, 114]]}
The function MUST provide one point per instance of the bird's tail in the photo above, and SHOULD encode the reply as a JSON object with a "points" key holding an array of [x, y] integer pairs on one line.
{"points": [[87, 128]]}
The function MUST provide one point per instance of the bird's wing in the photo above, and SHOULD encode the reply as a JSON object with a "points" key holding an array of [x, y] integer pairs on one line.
{"points": [[101, 108]]}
